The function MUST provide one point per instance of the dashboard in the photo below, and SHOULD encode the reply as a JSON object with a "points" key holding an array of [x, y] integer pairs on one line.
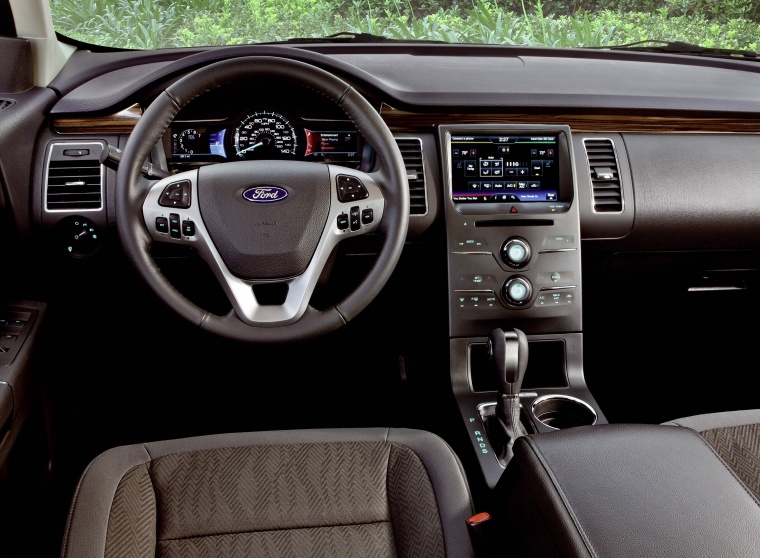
{"points": [[558, 191]]}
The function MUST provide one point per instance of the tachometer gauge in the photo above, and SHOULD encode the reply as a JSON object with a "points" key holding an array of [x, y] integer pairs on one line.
{"points": [[190, 141], [264, 135]]}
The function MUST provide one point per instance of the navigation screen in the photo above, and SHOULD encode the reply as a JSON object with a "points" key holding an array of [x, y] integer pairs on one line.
{"points": [[504, 169]]}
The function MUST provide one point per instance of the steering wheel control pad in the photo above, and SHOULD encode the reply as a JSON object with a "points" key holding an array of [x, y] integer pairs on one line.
{"points": [[265, 217]]}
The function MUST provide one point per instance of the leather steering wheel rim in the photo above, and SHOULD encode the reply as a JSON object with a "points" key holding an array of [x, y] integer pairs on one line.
{"points": [[131, 192]]}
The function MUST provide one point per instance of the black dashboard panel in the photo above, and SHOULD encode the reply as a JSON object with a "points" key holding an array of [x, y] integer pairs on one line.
{"points": [[420, 76]]}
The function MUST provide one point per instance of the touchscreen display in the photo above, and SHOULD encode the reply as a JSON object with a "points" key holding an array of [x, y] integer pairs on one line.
{"points": [[504, 169]]}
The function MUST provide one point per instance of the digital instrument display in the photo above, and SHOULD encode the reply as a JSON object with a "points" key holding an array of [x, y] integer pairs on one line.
{"points": [[190, 143], [262, 135], [504, 168], [330, 143]]}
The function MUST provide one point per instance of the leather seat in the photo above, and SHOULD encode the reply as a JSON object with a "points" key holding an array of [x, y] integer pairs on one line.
{"points": [[368, 492]]}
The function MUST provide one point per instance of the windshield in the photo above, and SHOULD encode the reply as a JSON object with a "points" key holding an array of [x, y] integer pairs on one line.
{"points": [[151, 24]]}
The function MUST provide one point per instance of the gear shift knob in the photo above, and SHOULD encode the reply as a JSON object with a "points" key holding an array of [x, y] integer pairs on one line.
{"points": [[508, 353]]}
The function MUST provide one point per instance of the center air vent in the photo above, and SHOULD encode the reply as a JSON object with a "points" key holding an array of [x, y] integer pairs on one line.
{"points": [[6, 103], [605, 178], [74, 177], [411, 151]]}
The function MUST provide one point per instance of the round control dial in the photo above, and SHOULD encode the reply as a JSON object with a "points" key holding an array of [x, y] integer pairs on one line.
{"points": [[517, 290], [516, 252]]}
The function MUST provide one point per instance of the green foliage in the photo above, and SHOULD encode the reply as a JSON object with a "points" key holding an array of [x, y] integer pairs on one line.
{"points": [[167, 23]]}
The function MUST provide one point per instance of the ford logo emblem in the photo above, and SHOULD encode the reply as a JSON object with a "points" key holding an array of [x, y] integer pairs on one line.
{"points": [[265, 194]]}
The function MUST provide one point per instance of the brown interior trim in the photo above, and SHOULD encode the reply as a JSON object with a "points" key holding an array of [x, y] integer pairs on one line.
{"points": [[402, 121], [120, 123]]}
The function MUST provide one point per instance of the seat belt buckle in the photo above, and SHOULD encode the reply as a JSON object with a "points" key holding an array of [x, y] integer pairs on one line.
{"points": [[479, 527]]}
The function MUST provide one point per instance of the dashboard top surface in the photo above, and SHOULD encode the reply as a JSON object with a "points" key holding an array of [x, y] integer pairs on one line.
{"points": [[446, 76]]}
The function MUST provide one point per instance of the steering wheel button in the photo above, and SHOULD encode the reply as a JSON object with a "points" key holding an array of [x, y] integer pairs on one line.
{"points": [[354, 217], [351, 188], [367, 216], [342, 222], [176, 195], [188, 228], [162, 225], [174, 229]]}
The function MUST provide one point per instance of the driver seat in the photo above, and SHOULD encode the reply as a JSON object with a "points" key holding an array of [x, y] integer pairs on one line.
{"points": [[338, 492]]}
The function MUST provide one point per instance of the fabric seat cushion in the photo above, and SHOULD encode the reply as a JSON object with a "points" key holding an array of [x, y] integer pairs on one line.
{"points": [[279, 495], [735, 437]]}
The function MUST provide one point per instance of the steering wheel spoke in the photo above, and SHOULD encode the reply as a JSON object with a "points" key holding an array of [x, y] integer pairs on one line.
{"points": [[172, 214]]}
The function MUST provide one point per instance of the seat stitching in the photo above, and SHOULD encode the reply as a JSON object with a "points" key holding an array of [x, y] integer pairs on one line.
{"points": [[230, 533], [726, 466], [562, 495], [387, 498], [461, 471], [73, 506]]}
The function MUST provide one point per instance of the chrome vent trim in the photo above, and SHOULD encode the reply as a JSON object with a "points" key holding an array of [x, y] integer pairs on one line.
{"points": [[604, 174], [411, 151], [74, 184]]}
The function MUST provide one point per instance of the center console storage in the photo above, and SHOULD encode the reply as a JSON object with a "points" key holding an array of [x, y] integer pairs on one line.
{"points": [[624, 490], [514, 261]]}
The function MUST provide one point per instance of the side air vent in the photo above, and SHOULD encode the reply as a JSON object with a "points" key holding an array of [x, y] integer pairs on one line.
{"points": [[605, 178], [411, 151], [74, 178], [6, 103]]}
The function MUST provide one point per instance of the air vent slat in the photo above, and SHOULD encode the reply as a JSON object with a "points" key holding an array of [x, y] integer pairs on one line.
{"points": [[604, 174], [74, 184], [411, 151]]}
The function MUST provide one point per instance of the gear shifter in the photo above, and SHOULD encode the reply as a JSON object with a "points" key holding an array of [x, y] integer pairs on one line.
{"points": [[508, 354]]}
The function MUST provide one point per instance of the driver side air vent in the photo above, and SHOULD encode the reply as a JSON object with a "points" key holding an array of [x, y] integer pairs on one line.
{"points": [[411, 151], [605, 178], [74, 178], [6, 103]]}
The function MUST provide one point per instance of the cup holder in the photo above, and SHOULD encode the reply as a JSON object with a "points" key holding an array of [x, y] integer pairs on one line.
{"points": [[562, 411]]}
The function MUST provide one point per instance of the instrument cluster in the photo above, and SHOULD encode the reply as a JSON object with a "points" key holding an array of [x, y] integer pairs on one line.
{"points": [[263, 134]]}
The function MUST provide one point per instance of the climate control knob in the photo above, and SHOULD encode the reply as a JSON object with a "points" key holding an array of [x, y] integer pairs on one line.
{"points": [[517, 290], [516, 252]]}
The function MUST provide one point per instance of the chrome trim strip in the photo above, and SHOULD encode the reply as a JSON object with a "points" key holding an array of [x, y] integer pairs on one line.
{"points": [[556, 250], [543, 398]]}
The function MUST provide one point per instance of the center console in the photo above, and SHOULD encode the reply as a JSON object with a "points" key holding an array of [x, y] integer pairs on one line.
{"points": [[514, 261]]}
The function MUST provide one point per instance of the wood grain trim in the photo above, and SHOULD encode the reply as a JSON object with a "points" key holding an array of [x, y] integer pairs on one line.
{"points": [[402, 121], [120, 123]]}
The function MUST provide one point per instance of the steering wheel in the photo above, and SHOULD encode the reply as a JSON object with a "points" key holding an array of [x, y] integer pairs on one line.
{"points": [[263, 222]]}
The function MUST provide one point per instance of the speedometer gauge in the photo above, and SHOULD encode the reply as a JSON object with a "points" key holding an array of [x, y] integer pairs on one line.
{"points": [[265, 135]]}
